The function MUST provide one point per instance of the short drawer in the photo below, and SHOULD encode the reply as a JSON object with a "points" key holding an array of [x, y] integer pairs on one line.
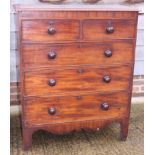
{"points": [[50, 30], [108, 53], [108, 29], [41, 111], [75, 80]]}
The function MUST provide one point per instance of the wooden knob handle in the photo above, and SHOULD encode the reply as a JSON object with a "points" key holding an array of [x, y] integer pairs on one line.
{"points": [[108, 53], [51, 30], [52, 82], [110, 29], [107, 79], [52, 55], [51, 111], [104, 106]]}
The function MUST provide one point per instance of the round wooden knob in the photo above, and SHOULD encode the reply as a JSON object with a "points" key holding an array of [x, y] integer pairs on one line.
{"points": [[52, 55], [110, 29], [108, 53], [51, 111], [52, 82], [51, 30], [104, 106], [106, 79]]}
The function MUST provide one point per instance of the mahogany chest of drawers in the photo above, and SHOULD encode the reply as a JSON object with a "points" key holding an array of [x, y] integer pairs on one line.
{"points": [[76, 69]]}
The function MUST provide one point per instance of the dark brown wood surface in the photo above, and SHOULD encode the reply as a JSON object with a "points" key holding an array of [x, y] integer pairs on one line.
{"points": [[75, 108], [35, 55], [77, 80], [74, 14], [68, 30], [96, 29], [78, 87], [37, 30]]}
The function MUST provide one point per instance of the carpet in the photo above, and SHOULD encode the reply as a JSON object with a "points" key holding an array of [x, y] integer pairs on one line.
{"points": [[103, 142]]}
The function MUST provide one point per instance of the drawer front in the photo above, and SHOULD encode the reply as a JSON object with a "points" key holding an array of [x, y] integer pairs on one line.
{"points": [[35, 56], [50, 31], [108, 29], [50, 82], [75, 108]]}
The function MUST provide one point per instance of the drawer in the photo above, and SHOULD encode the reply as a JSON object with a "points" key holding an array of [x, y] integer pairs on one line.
{"points": [[35, 55], [50, 31], [40, 111], [108, 29], [75, 80]]}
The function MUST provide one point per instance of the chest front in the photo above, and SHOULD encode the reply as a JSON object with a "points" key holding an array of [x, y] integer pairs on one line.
{"points": [[76, 69]]}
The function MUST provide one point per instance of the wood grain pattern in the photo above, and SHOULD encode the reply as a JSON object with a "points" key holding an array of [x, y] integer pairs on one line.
{"points": [[72, 81], [75, 108], [63, 128], [76, 14], [77, 54], [37, 30], [65, 94], [96, 29]]}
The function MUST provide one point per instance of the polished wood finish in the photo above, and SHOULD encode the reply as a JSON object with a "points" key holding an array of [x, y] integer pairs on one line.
{"points": [[70, 81], [81, 14], [76, 69], [50, 30], [72, 109], [35, 55], [108, 29]]}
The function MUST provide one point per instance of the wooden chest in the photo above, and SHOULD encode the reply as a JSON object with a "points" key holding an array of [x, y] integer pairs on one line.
{"points": [[76, 69]]}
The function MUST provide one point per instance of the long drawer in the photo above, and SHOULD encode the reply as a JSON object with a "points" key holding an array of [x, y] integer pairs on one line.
{"points": [[76, 80], [50, 55], [41, 111], [50, 30]]}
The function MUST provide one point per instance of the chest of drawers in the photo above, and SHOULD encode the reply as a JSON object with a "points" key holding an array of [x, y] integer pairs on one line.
{"points": [[76, 69]]}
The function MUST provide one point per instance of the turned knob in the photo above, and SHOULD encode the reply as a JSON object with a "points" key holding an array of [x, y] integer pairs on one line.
{"points": [[51, 111], [52, 82], [52, 55], [51, 30], [104, 106], [110, 29], [108, 53], [107, 78]]}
